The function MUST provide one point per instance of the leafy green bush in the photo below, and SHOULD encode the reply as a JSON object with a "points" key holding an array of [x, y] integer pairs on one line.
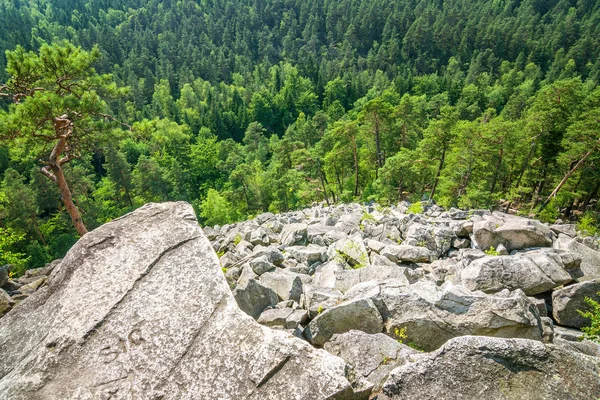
{"points": [[589, 224], [492, 251], [215, 209], [592, 332], [415, 208]]}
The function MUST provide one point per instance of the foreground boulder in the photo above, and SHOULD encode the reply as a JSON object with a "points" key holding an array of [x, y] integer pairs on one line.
{"points": [[139, 309], [473, 367]]}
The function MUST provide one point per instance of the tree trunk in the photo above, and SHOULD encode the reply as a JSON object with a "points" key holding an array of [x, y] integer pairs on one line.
{"points": [[437, 175], [378, 146], [525, 163], [355, 167], [564, 180], [63, 128], [495, 177]]}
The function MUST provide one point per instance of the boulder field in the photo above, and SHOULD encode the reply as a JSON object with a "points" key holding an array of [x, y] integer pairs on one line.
{"points": [[341, 302]]}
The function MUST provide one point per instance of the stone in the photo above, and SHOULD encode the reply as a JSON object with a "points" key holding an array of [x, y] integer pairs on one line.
{"points": [[566, 302], [261, 264], [409, 254], [590, 259], [138, 308], [473, 367], [351, 250], [253, 298], [286, 284], [293, 234], [6, 302], [515, 233], [308, 254], [360, 314], [296, 318], [261, 236], [459, 243], [275, 317], [373, 356], [432, 315], [533, 272], [566, 229], [318, 299], [4, 274]]}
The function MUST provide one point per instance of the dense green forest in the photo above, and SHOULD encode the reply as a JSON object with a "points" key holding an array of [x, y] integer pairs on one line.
{"points": [[246, 106]]}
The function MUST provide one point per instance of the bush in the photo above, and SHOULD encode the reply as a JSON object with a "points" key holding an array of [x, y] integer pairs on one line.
{"points": [[592, 332], [415, 208], [589, 224], [215, 209]]}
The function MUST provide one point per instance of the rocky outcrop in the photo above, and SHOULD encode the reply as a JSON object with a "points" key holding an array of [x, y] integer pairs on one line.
{"points": [[473, 367], [515, 233], [139, 309], [373, 356], [568, 301], [362, 282], [533, 272]]}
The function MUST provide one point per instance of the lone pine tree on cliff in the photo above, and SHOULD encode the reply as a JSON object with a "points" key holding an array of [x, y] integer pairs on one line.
{"points": [[57, 110]]}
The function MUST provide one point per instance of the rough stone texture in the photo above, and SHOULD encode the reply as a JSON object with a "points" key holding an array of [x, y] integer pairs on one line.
{"points": [[4, 274], [473, 367], [590, 259], [515, 233], [253, 298], [411, 254], [533, 272], [351, 250], [6, 302], [287, 285], [358, 314], [293, 234], [139, 309], [373, 356], [275, 316], [566, 302], [433, 315]]}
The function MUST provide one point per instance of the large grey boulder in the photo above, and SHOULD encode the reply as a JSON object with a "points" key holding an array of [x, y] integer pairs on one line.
{"points": [[590, 259], [138, 308], [409, 254], [473, 367], [431, 315], [358, 314], [515, 233], [373, 356], [534, 272], [566, 302]]}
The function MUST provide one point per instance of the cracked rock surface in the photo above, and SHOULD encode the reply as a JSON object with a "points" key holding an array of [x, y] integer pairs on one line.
{"points": [[138, 309]]}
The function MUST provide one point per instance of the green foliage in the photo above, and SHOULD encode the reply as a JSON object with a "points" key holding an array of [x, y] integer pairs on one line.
{"points": [[492, 251], [215, 209], [589, 224], [592, 332], [415, 208], [8, 241], [239, 110]]}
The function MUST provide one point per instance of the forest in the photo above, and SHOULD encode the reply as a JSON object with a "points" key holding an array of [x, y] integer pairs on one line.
{"points": [[246, 106]]}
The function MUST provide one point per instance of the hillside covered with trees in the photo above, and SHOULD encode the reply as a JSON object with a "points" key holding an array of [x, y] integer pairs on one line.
{"points": [[247, 106]]}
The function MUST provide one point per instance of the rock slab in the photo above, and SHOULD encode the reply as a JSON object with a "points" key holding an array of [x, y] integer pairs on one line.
{"points": [[476, 367], [139, 309]]}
